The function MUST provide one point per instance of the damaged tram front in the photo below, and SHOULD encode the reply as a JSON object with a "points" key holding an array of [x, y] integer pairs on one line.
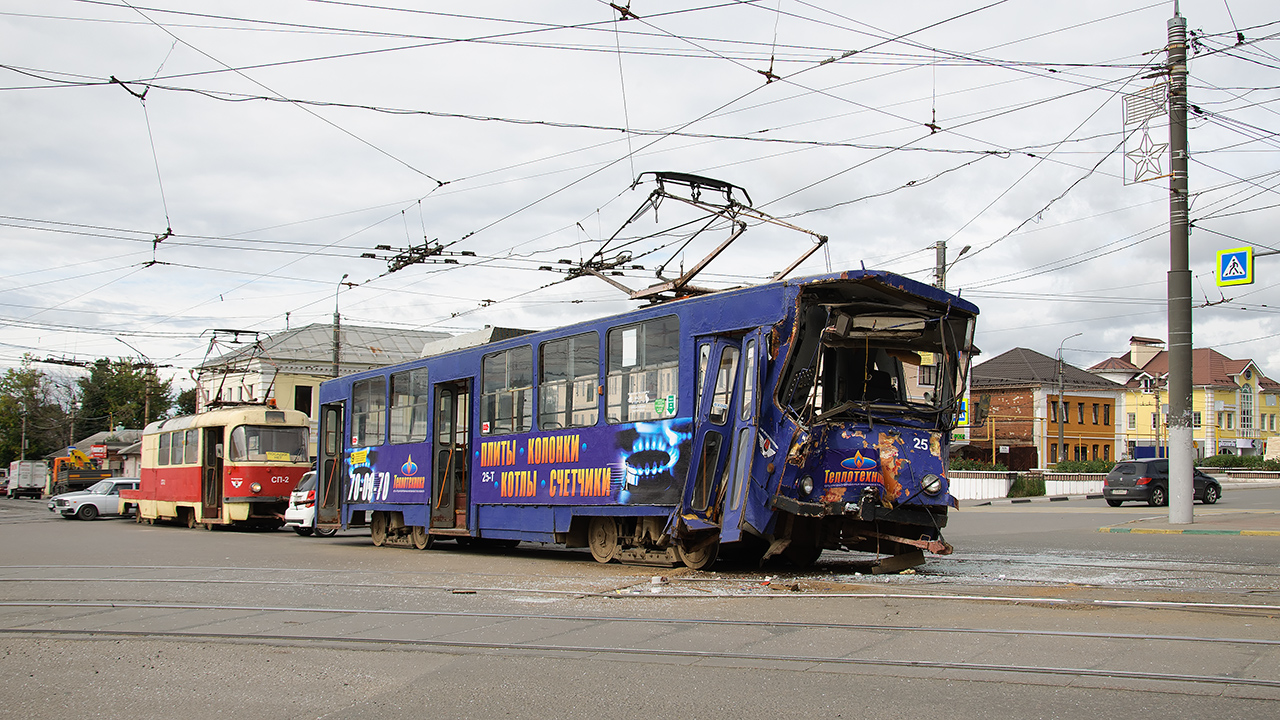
{"points": [[867, 390]]}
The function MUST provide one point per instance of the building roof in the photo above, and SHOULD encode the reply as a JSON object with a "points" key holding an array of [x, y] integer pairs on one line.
{"points": [[115, 440], [309, 349], [1021, 367], [1115, 364], [1209, 368]]}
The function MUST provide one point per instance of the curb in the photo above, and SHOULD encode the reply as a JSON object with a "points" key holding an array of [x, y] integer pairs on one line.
{"points": [[1193, 531], [1038, 498]]}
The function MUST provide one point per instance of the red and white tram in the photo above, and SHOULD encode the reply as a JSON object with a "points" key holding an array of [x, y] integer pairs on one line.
{"points": [[227, 466]]}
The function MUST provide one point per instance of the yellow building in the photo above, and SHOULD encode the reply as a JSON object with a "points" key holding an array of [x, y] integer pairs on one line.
{"points": [[1234, 404]]}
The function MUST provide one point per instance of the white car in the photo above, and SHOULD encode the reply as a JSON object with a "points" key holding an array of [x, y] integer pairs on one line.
{"points": [[102, 498], [301, 513]]}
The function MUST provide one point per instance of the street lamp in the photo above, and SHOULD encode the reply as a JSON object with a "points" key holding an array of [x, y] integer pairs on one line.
{"points": [[1062, 406], [337, 324]]}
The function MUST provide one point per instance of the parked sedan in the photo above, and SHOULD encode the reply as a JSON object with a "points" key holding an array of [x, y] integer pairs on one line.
{"points": [[301, 513], [1148, 481], [103, 498]]}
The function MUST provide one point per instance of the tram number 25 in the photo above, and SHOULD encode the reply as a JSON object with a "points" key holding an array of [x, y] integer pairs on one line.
{"points": [[921, 443]]}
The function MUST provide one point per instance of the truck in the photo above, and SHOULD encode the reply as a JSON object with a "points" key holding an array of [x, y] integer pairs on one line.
{"points": [[26, 477], [75, 471]]}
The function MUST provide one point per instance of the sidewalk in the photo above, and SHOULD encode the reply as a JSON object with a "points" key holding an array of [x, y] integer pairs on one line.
{"points": [[1206, 521]]}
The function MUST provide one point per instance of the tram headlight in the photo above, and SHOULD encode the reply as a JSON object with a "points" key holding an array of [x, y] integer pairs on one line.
{"points": [[932, 484], [805, 486], [256, 488]]}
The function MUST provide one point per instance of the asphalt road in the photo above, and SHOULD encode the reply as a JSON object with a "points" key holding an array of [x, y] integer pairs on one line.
{"points": [[1036, 615]]}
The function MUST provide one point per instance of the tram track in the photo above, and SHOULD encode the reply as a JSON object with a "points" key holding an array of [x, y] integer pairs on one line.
{"points": [[634, 591], [779, 624], [734, 659]]}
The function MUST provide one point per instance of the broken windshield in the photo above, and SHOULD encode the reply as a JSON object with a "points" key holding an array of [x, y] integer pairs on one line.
{"points": [[860, 359]]}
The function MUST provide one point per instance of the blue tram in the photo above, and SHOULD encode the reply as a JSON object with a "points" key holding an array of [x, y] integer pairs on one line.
{"points": [[783, 418]]}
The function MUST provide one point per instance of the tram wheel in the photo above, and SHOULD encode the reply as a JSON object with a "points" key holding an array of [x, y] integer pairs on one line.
{"points": [[802, 555], [421, 539], [326, 532], [303, 531], [700, 559], [191, 518], [602, 538], [378, 528]]}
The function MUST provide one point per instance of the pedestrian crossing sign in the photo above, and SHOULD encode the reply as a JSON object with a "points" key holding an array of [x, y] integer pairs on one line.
{"points": [[1235, 267]]}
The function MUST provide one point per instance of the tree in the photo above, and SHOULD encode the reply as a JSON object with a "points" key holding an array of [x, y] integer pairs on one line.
{"points": [[27, 393], [186, 404], [117, 392]]}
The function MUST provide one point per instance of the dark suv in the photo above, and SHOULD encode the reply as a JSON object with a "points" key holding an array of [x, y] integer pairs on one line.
{"points": [[1148, 480]]}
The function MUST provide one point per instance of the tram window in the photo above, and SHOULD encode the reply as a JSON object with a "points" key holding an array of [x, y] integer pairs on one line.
{"points": [[252, 443], [748, 381], [175, 448], [410, 399], [704, 357], [332, 432], [568, 372], [726, 376], [191, 454], [643, 380], [506, 400], [711, 443], [368, 412], [162, 453]]}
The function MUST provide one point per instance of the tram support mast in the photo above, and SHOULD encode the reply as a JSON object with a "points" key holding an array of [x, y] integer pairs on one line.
{"points": [[1181, 450]]}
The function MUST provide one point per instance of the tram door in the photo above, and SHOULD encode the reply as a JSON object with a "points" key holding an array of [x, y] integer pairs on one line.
{"points": [[743, 447], [451, 448], [333, 471], [718, 360], [211, 473]]}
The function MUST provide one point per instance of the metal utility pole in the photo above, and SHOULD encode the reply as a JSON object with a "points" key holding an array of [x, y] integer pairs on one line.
{"points": [[337, 329], [22, 452], [1181, 450], [940, 263], [1062, 406]]}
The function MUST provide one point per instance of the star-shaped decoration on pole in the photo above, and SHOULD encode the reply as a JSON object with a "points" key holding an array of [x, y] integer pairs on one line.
{"points": [[1146, 158]]}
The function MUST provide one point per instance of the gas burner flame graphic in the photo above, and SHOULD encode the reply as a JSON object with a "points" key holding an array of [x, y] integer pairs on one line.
{"points": [[858, 462], [409, 467]]}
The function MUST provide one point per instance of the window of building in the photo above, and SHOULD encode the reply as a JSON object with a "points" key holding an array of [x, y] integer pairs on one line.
{"points": [[410, 403], [1195, 419], [1053, 452], [1220, 416], [368, 412], [1095, 452], [1133, 421], [1053, 411], [1106, 414], [568, 373], [1081, 412], [643, 368], [1154, 423], [1231, 420], [1246, 407], [506, 394], [1106, 452], [302, 398], [1271, 424], [1096, 412], [927, 376]]}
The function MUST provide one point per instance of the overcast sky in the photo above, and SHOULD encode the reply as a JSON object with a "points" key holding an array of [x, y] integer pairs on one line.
{"points": [[280, 142]]}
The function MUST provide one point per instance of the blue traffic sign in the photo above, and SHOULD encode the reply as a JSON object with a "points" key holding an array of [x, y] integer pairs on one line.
{"points": [[1235, 267]]}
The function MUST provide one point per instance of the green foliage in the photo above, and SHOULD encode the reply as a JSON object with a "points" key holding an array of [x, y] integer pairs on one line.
{"points": [[116, 392], [967, 464], [1027, 486], [1247, 462], [186, 404], [27, 393], [1084, 466]]}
